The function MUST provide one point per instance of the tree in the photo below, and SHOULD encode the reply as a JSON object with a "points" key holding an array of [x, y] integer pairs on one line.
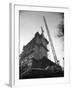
{"points": [[61, 27]]}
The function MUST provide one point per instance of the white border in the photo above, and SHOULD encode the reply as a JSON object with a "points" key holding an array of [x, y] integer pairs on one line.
{"points": [[15, 46]]}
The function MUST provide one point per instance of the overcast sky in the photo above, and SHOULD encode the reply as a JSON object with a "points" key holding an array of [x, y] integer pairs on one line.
{"points": [[31, 22]]}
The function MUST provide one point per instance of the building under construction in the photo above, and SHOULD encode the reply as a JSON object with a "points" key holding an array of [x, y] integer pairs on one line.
{"points": [[34, 61]]}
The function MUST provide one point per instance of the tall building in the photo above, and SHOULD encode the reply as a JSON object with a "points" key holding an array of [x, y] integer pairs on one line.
{"points": [[36, 48]]}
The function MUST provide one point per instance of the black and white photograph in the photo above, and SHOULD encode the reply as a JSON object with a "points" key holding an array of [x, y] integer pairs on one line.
{"points": [[41, 44]]}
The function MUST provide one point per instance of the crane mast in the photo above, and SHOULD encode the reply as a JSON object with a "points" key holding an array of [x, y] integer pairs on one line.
{"points": [[51, 43]]}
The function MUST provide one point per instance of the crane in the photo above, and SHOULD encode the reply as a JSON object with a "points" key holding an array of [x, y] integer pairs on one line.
{"points": [[51, 43]]}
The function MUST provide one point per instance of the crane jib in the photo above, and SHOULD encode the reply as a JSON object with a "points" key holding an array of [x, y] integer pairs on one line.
{"points": [[51, 43]]}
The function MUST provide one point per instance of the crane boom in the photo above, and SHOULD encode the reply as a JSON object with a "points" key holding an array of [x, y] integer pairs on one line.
{"points": [[51, 43]]}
